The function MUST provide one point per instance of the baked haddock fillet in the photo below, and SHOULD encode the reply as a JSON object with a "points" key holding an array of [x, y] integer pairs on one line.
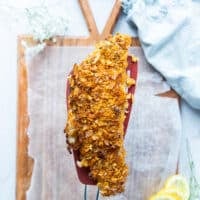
{"points": [[97, 103]]}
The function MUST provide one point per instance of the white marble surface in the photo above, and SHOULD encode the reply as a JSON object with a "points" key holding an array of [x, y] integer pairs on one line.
{"points": [[8, 82]]}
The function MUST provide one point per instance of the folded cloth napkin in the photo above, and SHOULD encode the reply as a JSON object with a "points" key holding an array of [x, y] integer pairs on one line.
{"points": [[169, 32]]}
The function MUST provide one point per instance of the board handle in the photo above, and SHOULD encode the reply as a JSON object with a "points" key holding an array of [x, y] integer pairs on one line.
{"points": [[91, 24]]}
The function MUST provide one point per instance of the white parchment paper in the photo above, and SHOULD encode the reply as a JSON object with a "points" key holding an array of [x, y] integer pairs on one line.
{"points": [[152, 140]]}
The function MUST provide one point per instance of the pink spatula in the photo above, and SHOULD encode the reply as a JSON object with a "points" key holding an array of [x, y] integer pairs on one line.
{"points": [[83, 172]]}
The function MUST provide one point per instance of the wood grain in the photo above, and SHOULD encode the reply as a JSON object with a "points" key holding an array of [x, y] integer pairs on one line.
{"points": [[171, 93], [91, 24], [111, 20], [24, 162]]}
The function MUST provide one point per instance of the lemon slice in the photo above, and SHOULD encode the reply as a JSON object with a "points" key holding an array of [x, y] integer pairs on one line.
{"points": [[164, 197], [172, 191], [180, 184]]}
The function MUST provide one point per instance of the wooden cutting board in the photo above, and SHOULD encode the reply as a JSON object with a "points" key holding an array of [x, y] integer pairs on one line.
{"points": [[24, 162]]}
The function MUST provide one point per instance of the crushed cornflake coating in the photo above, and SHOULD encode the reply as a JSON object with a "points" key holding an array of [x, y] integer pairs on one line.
{"points": [[96, 111]]}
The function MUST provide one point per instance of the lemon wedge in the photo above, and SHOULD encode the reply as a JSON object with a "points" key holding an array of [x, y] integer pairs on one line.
{"points": [[164, 196], [178, 184], [171, 191]]}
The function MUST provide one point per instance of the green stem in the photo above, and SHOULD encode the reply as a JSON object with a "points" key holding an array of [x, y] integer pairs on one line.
{"points": [[194, 185]]}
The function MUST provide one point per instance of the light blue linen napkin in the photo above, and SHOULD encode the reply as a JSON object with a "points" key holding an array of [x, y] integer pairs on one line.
{"points": [[169, 32]]}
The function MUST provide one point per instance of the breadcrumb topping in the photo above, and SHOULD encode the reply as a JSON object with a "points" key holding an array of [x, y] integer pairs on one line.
{"points": [[97, 104]]}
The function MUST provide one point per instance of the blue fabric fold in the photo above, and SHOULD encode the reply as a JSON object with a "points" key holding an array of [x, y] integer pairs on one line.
{"points": [[169, 32]]}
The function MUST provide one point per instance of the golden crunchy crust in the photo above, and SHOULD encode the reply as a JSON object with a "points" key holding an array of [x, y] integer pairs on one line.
{"points": [[96, 111]]}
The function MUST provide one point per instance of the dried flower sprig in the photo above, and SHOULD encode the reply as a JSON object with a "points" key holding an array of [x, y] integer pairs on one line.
{"points": [[194, 184], [39, 21], [44, 25]]}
